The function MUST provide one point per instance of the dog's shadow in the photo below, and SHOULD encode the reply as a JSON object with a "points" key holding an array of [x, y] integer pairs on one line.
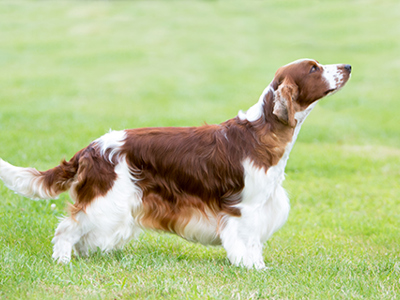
{"points": [[155, 249]]}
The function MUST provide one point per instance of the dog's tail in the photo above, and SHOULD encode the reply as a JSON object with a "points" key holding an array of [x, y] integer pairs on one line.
{"points": [[34, 184]]}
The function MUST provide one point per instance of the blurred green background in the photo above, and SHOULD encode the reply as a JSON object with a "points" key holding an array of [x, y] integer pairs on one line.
{"points": [[71, 70]]}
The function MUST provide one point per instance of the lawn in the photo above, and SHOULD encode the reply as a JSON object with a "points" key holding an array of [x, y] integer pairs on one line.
{"points": [[72, 70]]}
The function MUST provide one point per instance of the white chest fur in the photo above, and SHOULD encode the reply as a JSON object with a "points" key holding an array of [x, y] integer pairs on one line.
{"points": [[265, 206]]}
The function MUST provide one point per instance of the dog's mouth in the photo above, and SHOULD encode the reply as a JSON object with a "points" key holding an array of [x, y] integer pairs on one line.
{"points": [[329, 91]]}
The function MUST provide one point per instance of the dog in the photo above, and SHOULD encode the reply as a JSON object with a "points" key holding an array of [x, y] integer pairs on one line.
{"points": [[213, 184]]}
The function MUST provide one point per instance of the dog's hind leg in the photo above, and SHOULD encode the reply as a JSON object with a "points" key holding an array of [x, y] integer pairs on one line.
{"points": [[112, 224], [68, 233], [106, 222]]}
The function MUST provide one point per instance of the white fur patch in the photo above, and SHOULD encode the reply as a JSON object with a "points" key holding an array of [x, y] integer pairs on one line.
{"points": [[202, 229], [332, 75], [256, 111], [24, 181], [111, 140]]}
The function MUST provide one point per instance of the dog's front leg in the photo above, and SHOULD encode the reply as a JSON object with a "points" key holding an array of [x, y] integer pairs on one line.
{"points": [[243, 245]]}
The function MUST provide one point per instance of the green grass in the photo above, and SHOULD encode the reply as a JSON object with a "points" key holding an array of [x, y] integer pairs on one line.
{"points": [[72, 70]]}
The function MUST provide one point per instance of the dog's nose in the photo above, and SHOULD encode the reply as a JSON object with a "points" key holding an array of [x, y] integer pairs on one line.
{"points": [[348, 68]]}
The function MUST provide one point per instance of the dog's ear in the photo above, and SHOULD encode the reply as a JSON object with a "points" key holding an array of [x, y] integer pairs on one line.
{"points": [[284, 96]]}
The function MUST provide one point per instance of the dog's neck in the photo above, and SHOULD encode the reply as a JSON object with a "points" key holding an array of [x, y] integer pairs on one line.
{"points": [[270, 131], [300, 118]]}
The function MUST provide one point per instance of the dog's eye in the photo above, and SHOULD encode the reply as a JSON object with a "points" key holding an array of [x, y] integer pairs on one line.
{"points": [[314, 69]]}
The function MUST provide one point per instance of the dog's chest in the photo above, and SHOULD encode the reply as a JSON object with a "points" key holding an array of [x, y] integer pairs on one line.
{"points": [[265, 205], [259, 183]]}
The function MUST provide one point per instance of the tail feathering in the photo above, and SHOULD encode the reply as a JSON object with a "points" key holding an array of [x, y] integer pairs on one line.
{"points": [[33, 184]]}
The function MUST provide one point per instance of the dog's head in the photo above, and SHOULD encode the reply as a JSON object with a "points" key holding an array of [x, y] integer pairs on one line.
{"points": [[301, 83]]}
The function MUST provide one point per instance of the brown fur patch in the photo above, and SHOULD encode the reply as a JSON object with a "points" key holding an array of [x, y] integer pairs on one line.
{"points": [[60, 178], [94, 178]]}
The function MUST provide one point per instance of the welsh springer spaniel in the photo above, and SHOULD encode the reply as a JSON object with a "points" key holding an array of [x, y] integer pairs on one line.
{"points": [[214, 184]]}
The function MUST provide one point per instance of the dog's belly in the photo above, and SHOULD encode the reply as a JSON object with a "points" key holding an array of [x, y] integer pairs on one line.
{"points": [[259, 220], [190, 223], [201, 229]]}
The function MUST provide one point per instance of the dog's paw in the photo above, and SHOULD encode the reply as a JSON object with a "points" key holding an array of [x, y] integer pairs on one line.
{"points": [[253, 264], [62, 252]]}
